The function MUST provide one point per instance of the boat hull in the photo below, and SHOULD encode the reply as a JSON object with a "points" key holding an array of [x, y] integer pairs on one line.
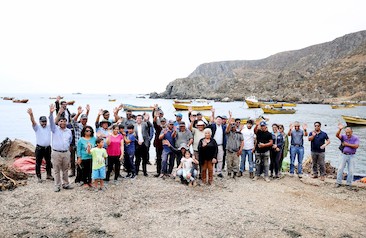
{"points": [[278, 111], [178, 107], [137, 108], [252, 104], [354, 121]]}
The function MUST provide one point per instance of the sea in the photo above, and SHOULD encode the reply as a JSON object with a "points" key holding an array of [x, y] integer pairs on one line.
{"points": [[16, 122]]}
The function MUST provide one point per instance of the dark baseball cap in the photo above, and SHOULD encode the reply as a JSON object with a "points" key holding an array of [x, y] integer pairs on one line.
{"points": [[43, 118]]}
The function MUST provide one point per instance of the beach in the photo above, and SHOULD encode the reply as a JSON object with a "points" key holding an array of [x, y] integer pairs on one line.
{"points": [[153, 207]]}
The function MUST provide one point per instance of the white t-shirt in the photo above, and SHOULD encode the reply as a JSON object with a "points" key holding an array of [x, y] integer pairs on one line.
{"points": [[219, 135], [187, 166], [249, 137]]}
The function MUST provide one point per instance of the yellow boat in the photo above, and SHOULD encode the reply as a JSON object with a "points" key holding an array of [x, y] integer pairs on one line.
{"points": [[278, 110], [354, 120], [288, 104], [242, 120], [179, 106], [112, 100], [252, 104], [342, 106]]}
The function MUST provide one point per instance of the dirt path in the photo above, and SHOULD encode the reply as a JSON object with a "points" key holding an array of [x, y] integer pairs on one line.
{"points": [[152, 207]]}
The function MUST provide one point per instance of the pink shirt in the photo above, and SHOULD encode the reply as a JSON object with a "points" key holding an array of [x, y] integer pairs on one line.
{"points": [[114, 148]]}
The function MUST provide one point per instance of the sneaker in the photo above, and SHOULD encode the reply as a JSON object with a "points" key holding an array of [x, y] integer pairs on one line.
{"points": [[251, 175], [67, 186], [255, 178], [56, 189], [267, 179], [50, 177], [240, 174], [81, 183], [300, 175], [349, 187], [133, 176], [115, 182], [338, 185], [220, 175], [39, 180], [157, 175], [95, 189], [291, 175], [128, 175], [146, 175]]}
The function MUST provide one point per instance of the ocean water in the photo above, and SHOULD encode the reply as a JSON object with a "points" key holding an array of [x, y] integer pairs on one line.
{"points": [[16, 122]]}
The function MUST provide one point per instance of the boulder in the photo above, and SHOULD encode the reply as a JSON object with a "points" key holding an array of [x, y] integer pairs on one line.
{"points": [[15, 149]]}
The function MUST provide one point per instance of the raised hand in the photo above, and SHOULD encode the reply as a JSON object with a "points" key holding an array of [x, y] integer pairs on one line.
{"points": [[87, 107], [340, 126], [52, 108], [80, 110], [304, 126], [29, 111]]}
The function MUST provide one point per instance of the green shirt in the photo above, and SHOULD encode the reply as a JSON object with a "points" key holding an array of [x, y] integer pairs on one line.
{"points": [[98, 156]]}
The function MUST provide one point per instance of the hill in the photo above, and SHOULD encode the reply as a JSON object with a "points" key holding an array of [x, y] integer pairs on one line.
{"points": [[320, 73]]}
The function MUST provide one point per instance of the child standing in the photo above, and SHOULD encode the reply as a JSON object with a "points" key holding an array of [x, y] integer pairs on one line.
{"points": [[99, 155], [130, 140]]}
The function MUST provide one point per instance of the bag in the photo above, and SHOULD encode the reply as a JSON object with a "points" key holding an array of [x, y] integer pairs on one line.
{"points": [[341, 147]]}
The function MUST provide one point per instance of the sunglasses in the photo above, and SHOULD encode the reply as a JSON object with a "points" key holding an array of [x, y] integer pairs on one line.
{"points": [[87, 130]]}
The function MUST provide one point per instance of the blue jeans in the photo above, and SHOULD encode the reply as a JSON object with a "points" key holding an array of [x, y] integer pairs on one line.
{"points": [[167, 157], [350, 161], [299, 151], [244, 154], [193, 174]]}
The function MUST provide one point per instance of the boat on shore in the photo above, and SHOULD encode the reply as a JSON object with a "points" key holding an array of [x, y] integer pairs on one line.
{"points": [[354, 120], [20, 100], [70, 102], [112, 100], [137, 108], [183, 107], [269, 110]]}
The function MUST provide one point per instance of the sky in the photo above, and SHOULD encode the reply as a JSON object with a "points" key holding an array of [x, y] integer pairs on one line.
{"points": [[141, 46]]}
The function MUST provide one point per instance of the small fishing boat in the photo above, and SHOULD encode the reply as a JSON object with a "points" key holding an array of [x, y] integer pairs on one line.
{"points": [[269, 110], [182, 101], [242, 120], [354, 120], [70, 102], [252, 102], [112, 100], [289, 104], [342, 106], [56, 97], [8, 98], [20, 100], [137, 108], [195, 107]]}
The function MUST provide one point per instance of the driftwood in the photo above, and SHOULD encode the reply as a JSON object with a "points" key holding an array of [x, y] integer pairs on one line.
{"points": [[10, 178]]}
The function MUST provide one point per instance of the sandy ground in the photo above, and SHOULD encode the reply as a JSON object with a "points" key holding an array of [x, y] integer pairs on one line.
{"points": [[153, 207]]}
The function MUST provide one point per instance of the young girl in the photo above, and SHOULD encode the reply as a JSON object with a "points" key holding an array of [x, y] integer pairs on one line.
{"points": [[99, 155], [185, 169]]}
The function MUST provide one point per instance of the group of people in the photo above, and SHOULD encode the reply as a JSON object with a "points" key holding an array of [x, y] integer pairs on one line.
{"points": [[198, 149]]}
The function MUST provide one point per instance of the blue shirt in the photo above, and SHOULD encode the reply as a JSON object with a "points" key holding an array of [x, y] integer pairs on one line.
{"points": [[168, 136], [297, 137], [43, 135], [318, 141], [61, 138], [130, 148]]}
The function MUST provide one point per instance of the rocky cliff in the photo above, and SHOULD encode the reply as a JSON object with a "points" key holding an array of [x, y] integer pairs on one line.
{"points": [[320, 73]]}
